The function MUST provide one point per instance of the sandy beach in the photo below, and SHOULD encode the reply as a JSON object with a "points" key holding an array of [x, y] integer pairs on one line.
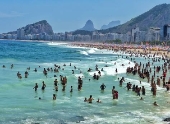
{"points": [[136, 49]]}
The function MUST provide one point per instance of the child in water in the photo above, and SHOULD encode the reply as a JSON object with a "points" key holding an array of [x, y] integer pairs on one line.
{"points": [[85, 99], [155, 104], [98, 101], [54, 97]]}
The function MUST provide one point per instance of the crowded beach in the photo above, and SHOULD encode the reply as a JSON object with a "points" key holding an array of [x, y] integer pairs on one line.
{"points": [[158, 76]]}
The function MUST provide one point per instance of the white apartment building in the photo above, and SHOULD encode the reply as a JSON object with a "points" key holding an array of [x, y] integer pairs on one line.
{"points": [[28, 37], [56, 37], [20, 34], [134, 34], [70, 37], [1, 36], [153, 34]]}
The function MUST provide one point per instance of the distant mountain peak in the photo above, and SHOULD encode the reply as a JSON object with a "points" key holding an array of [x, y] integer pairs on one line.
{"points": [[111, 24], [89, 21], [88, 26]]}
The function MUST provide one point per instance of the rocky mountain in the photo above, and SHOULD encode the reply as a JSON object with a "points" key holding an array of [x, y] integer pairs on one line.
{"points": [[155, 17], [111, 24], [88, 26], [37, 28]]}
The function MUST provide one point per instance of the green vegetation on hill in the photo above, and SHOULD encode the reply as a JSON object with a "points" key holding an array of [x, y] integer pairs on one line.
{"points": [[156, 17], [37, 28]]}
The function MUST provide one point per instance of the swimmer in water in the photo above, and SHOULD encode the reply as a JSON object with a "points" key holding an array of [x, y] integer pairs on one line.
{"points": [[90, 99], [85, 99], [12, 65], [155, 104], [36, 87], [102, 87], [54, 97], [98, 101], [71, 89], [35, 70], [141, 98]]}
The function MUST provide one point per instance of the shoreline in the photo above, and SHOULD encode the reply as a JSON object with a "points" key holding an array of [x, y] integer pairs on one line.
{"points": [[132, 49]]}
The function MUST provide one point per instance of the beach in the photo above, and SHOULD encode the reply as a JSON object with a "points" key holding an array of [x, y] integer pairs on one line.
{"points": [[18, 96]]}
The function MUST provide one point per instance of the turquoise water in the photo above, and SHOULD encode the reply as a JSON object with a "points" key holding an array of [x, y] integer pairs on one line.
{"points": [[20, 104]]}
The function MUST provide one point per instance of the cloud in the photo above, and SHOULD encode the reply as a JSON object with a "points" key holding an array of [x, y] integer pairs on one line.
{"points": [[11, 14]]}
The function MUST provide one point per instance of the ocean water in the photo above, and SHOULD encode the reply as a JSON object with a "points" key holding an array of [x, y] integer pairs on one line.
{"points": [[19, 103]]}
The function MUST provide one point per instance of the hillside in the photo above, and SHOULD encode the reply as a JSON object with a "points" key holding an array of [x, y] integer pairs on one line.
{"points": [[156, 17], [37, 28]]}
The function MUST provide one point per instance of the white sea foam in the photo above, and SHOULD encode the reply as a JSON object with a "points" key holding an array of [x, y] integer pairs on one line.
{"points": [[47, 64], [68, 46], [91, 50], [121, 69], [56, 43], [79, 75], [64, 100], [84, 52], [96, 72]]}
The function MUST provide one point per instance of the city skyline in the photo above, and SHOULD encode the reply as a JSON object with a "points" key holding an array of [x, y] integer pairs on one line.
{"points": [[70, 15]]}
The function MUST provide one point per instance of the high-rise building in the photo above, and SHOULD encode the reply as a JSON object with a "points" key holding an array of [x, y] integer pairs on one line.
{"points": [[153, 34], [134, 34], [20, 34], [166, 32]]}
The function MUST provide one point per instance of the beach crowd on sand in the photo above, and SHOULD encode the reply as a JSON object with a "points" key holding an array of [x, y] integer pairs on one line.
{"points": [[156, 76]]}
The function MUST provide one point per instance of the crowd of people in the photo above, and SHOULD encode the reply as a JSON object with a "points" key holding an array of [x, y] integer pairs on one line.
{"points": [[155, 75]]}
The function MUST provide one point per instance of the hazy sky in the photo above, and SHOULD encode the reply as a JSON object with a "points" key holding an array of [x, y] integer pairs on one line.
{"points": [[68, 15]]}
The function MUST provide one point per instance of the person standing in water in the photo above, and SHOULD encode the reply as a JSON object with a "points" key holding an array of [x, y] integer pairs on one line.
{"points": [[54, 97], [43, 86], [102, 87], [90, 99], [116, 70], [113, 92], [71, 90], [36, 87]]}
